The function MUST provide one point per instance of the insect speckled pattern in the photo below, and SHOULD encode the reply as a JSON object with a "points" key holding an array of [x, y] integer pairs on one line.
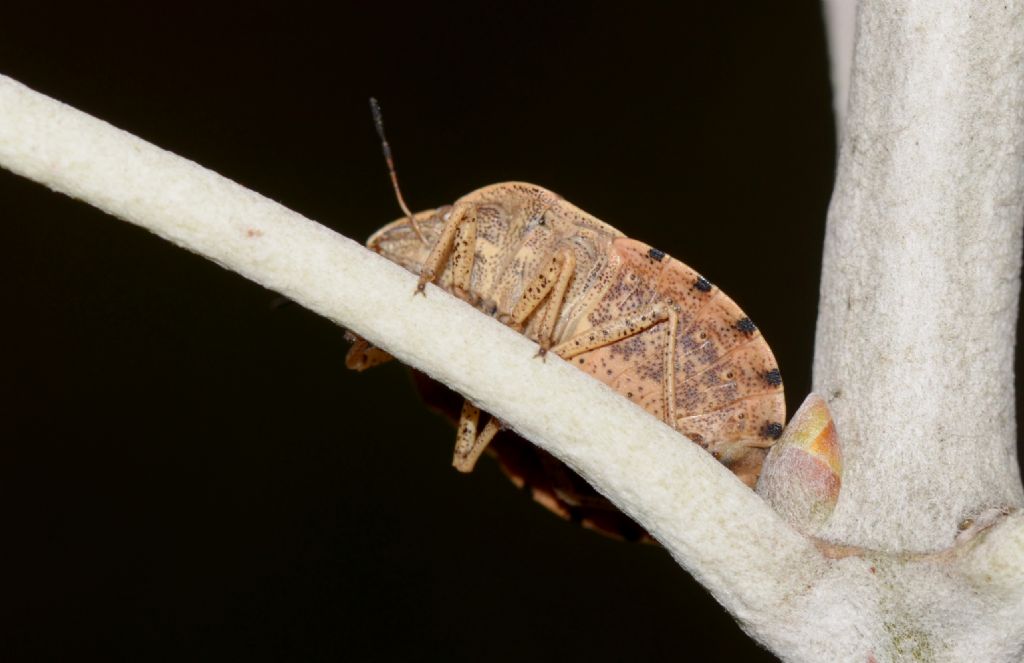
{"points": [[632, 316]]}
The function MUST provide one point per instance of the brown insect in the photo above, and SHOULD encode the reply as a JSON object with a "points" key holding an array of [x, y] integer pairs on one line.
{"points": [[638, 320]]}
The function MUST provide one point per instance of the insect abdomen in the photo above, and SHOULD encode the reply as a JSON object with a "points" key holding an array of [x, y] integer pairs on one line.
{"points": [[728, 393]]}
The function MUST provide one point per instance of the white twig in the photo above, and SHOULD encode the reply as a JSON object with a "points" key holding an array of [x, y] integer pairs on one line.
{"points": [[712, 524], [840, 23], [920, 279]]}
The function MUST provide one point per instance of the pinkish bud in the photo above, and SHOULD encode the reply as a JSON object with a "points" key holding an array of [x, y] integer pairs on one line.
{"points": [[803, 472]]}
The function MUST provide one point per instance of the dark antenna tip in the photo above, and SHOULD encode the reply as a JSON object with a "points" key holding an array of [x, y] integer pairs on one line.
{"points": [[378, 123], [378, 118]]}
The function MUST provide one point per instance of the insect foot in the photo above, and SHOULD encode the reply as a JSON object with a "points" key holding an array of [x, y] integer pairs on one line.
{"points": [[362, 355], [803, 473]]}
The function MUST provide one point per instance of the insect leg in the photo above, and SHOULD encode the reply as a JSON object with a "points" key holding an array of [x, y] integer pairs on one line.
{"points": [[614, 330], [553, 280], [432, 266], [669, 390], [555, 301], [465, 435], [467, 449], [463, 255], [534, 293], [362, 355], [624, 327]]}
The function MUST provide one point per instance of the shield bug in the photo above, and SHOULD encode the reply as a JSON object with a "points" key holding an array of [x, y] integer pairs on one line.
{"points": [[635, 318], [630, 315]]}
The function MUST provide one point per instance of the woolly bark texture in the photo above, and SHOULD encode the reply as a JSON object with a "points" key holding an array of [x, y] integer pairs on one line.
{"points": [[920, 280], [840, 19]]}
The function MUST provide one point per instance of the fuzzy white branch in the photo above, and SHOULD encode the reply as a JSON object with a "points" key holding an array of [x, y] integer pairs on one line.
{"points": [[713, 525], [920, 280], [840, 23]]}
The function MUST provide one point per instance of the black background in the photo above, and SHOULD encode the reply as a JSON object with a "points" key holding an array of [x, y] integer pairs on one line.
{"points": [[190, 473]]}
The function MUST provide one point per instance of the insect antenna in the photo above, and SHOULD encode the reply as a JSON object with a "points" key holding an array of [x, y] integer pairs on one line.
{"points": [[378, 122]]}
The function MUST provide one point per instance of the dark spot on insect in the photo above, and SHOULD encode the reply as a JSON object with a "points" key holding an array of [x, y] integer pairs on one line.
{"points": [[746, 326], [581, 360], [702, 284], [717, 455], [773, 377], [609, 371], [655, 254], [772, 430], [629, 394]]}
